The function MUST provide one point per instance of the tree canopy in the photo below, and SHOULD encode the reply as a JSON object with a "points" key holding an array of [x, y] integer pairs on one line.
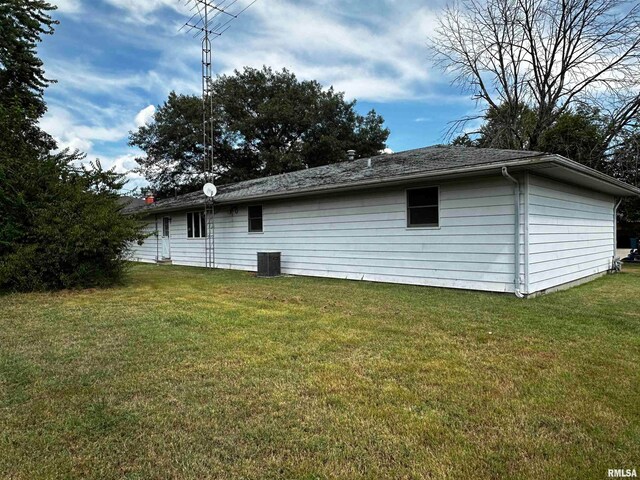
{"points": [[267, 122], [60, 226]]}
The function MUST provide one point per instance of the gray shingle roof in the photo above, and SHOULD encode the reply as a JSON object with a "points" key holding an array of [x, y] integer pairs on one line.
{"points": [[130, 202], [388, 167]]}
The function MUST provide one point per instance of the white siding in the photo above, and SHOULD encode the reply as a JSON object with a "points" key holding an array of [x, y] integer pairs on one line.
{"points": [[571, 233], [363, 236], [147, 251], [184, 250], [566, 233]]}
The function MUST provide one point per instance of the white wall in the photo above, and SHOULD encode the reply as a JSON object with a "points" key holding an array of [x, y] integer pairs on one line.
{"points": [[363, 236], [147, 251], [184, 250], [571, 233]]}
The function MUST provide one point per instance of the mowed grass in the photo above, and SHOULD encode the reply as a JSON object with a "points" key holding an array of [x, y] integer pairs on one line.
{"points": [[189, 373]]}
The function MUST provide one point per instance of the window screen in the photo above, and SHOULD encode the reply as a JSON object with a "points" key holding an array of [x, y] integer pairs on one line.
{"points": [[422, 207], [255, 218]]}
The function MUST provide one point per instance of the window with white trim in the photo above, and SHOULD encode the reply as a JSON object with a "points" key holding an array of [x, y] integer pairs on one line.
{"points": [[423, 209], [196, 225]]}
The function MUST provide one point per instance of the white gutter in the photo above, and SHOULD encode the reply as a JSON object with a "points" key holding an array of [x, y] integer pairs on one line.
{"points": [[593, 173], [157, 246], [516, 236]]}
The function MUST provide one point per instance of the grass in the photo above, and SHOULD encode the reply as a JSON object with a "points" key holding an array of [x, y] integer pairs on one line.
{"points": [[189, 373]]}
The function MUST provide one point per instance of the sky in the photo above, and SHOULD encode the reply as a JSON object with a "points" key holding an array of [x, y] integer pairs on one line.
{"points": [[115, 61]]}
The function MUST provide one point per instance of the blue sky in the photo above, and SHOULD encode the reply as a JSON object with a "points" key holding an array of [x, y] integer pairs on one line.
{"points": [[115, 60]]}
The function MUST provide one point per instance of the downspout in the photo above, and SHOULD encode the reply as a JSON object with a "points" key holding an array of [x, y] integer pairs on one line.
{"points": [[516, 236], [157, 241], [616, 265]]}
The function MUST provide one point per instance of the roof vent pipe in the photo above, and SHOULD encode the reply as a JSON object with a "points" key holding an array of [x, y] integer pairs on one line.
{"points": [[351, 154]]}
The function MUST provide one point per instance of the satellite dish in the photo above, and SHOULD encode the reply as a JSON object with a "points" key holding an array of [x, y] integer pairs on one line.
{"points": [[210, 190]]}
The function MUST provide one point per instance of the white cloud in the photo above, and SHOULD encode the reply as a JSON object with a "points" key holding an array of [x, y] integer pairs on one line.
{"points": [[373, 51], [70, 132], [69, 6], [145, 115], [145, 7], [378, 57], [82, 134]]}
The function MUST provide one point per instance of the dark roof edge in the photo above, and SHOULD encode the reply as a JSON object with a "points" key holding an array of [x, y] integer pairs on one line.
{"points": [[453, 172], [441, 173], [399, 179], [344, 187]]}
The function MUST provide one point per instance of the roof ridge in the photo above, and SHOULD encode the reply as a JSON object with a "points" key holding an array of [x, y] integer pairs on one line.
{"points": [[378, 169]]}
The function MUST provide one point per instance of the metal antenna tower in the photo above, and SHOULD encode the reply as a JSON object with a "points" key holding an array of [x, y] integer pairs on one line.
{"points": [[210, 19]]}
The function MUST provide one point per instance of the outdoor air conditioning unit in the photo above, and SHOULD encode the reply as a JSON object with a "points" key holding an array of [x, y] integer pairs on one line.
{"points": [[268, 264]]}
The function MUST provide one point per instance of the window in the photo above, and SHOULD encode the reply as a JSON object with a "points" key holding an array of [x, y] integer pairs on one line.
{"points": [[422, 207], [196, 225], [255, 218], [166, 221]]}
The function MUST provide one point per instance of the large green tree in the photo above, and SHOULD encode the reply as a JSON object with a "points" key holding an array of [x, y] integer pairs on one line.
{"points": [[625, 165], [60, 225], [266, 122]]}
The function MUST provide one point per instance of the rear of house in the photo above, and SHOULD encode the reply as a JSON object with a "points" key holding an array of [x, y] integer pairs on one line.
{"points": [[493, 220]]}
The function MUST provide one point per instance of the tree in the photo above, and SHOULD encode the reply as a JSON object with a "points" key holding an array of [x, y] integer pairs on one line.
{"points": [[60, 226], [266, 123], [22, 80], [173, 146], [578, 134], [581, 135], [547, 56], [624, 164]]}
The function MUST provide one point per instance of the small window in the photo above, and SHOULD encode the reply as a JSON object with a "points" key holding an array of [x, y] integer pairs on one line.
{"points": [[196, 225], [166, 221], [255, 218], [422, 207]]}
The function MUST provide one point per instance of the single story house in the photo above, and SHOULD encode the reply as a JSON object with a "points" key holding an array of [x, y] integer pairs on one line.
{"points": [[444, 216]]}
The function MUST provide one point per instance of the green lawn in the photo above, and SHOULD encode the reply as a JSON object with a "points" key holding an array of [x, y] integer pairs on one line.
{"points": [[189, 373]]}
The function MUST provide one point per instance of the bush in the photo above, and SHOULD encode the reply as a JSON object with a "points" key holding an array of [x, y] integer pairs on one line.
{"points": [[60, 226], [65, 230]]}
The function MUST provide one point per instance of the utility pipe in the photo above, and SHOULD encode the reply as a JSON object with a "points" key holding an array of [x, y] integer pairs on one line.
{"points": [[615, 234], [516, 236], [157, 246]]}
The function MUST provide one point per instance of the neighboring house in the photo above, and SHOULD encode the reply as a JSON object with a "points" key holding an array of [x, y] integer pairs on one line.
{"points": [[130, 203], [482, 219]]}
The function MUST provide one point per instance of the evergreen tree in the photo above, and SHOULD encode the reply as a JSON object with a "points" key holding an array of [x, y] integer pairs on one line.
{"points": [[60, 226]]}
